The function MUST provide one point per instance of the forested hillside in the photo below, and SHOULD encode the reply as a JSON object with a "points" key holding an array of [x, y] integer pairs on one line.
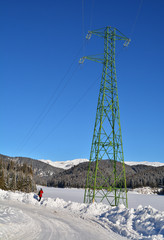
{"points": [[42, 172], [136, 176], [14, 176]]}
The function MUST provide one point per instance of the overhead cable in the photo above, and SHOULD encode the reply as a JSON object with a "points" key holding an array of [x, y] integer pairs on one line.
{"points": [[65, 116], [50, 102]]}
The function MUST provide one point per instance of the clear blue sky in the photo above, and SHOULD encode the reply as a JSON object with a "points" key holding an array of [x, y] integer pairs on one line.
{"points": [[48, 102]]}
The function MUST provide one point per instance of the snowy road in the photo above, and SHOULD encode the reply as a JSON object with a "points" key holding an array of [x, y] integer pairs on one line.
{"points": [[37, 222], [23, 217]]}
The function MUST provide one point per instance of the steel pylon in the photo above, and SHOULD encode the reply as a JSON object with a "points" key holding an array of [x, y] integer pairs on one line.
{"points": [[107, 138]]}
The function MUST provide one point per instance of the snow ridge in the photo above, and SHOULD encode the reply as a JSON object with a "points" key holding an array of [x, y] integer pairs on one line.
{"points": [[141, 223]]}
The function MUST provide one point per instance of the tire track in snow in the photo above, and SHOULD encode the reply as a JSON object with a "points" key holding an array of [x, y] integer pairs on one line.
{"points": [[42, 223]]}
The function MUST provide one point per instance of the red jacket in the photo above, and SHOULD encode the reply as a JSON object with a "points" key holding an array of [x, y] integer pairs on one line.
{"points": [[40, 193]]}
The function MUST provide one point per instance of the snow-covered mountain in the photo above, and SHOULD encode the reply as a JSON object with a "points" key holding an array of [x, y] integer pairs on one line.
{"points": [[71, 163], [65, 164], [154, 164]]}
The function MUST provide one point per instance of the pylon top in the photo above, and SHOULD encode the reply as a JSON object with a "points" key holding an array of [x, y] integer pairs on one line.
{"points": [[111, 30]]}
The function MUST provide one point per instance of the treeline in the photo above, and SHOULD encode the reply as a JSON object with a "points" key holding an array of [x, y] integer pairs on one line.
{"points": [[144, 176], [14, 176]]}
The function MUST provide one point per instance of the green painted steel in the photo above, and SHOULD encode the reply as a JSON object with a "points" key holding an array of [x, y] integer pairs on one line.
{"points": [[107, 138]]}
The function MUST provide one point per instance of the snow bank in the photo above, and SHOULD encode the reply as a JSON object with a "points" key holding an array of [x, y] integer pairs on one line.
{"points": [[141, 223], [145, 190]]}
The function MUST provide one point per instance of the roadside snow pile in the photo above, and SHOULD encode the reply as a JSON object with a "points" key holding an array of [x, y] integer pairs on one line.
{"points": [[141, 223]]}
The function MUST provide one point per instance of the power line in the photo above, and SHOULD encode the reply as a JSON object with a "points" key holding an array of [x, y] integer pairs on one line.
{"points": [[137, 16], [50, 104], [48, 110], [65, 116], [92, 10], [83, 25]]}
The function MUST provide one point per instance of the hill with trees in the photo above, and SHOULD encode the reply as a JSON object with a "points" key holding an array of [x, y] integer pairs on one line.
{"points": [[136, 176], [22, 174]]}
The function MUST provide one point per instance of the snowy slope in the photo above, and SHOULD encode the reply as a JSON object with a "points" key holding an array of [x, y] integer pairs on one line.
{"points": [[154, 164], [65, 164], [23, 217]]}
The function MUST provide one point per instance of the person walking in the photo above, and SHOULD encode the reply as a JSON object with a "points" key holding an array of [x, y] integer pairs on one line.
{"points": [[40, 194]]}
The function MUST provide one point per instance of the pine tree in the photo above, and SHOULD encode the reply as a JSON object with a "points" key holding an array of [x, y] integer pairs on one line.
{"points": [[2, 180], [13, 181]]}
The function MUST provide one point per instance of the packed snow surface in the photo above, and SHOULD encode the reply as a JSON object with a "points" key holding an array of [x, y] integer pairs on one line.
{"points": [[65, 164], [23, 217]]}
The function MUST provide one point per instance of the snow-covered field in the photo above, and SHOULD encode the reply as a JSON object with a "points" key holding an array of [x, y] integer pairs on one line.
{"points": [[62, 215]]}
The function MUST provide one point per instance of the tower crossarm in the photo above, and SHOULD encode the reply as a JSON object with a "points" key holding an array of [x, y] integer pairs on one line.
{"points": [[102, 33], [96, 58]]}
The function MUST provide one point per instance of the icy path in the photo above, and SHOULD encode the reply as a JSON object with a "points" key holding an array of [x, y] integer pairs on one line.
{"points": [[37, 222]]}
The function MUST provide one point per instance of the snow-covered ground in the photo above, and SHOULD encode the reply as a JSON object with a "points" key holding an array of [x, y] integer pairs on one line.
{"points": [[62, 215], [146, 190]]}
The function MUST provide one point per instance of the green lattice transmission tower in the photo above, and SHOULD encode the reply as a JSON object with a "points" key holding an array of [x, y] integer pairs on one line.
{"points": [[106, 178]]}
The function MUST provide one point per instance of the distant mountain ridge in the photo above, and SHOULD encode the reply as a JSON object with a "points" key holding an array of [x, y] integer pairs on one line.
{"points": [[71, 163], [153, 164], [73, 173], [136, 175]]}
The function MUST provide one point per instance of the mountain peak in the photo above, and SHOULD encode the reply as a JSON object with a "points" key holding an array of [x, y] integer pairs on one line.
{"points": [[65, 164]]}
